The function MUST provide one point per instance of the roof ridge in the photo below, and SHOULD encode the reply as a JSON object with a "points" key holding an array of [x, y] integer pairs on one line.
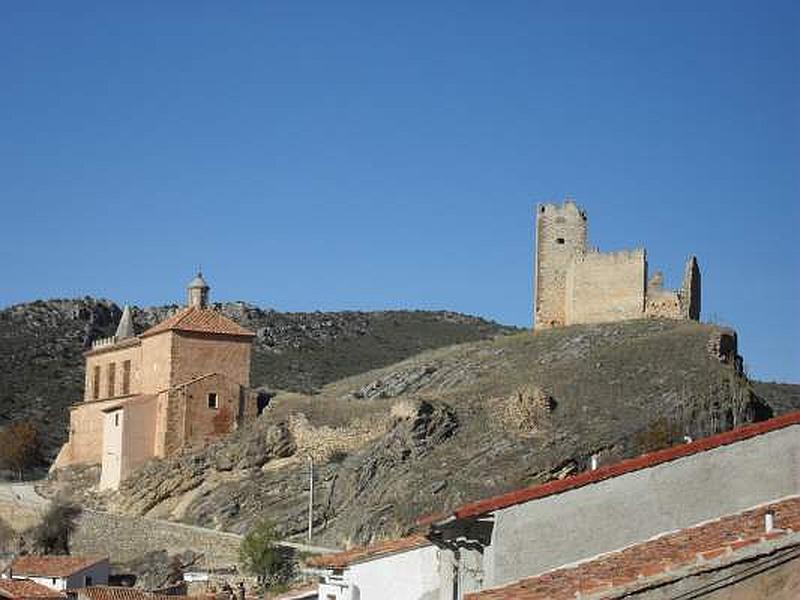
{"points": [[629, 465]]}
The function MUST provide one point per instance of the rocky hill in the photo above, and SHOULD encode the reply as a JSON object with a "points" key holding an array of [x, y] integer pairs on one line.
{"points": [[41, 346], [450, 425]]}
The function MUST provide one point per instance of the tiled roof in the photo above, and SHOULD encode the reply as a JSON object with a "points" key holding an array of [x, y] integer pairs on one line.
{"points": [[672, 556], [340, 560], [644, 461], [199, 320], [107, 592], [52, 565], [302, 592], [23, 589]]}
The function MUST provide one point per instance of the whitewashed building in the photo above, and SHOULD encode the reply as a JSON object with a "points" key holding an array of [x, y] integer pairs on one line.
{"points": [[400, 569], [60, 573]]}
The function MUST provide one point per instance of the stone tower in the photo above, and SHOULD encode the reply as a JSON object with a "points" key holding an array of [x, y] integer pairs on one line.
{"points": [[198, 292], [561, 237]]}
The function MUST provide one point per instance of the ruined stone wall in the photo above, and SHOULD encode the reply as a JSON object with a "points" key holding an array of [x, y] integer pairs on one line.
{"points": [[602, 287], [690, 294], [196, 355], [561, 236]]}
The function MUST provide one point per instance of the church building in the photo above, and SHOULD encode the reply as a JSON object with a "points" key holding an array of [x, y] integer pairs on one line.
{"points": [[178, 386]]}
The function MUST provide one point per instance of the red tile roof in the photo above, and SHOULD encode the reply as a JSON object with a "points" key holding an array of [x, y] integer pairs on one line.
{"points": [[52, 565], [199, 320], [340, 560], [301, 592], [23, 589], [644, 461], [662, 559], [107, 592]]}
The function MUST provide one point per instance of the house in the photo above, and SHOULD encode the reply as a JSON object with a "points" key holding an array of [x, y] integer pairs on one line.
{"points": [[680, 517], [401, 569], [536, 530], [750, 555], [60, 573], [25, 589], [178, 386]]}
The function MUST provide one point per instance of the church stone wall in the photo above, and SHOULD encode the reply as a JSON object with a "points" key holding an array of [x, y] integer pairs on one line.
{"points": [[116, 355], [156, 369], [85, 443], [194, 356], [606, 287]]}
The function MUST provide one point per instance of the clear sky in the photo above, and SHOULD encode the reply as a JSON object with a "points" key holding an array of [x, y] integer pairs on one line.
{"points": [[337, 155]]}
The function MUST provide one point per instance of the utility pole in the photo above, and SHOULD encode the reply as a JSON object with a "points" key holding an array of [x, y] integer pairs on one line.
{"points": [[310, 495]]}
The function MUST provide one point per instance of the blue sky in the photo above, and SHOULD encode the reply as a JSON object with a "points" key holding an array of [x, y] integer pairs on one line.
{"points": [[336, 155]]}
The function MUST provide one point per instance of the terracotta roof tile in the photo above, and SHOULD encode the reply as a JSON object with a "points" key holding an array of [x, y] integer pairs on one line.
{"points": [[696, 547], [107, 592], [23, 589], [52, 565], [199, 320], [341, 560], [644, 461], [301, 592]]}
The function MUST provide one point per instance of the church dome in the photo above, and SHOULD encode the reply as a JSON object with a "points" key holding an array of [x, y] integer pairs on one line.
{"points": [[198, 282]]}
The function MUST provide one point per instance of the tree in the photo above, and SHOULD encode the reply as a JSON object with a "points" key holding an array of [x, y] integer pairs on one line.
{"points": [[51, 536], [20, 447], [262, 557]]}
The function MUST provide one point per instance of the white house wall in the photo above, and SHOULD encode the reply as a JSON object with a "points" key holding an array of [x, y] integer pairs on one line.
{"points": [[411, 575], [540, 535]]}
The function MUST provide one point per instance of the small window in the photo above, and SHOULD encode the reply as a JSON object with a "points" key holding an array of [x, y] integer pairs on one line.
{"points": [[116, 419], [87, 580], [559, 240], [212, 400], [54, 580]]}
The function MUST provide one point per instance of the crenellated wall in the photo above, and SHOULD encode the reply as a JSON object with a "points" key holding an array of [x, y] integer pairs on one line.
{"points": [[575, 284]]}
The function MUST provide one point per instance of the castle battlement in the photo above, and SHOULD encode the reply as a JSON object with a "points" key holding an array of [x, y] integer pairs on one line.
{"points": [[575, 283]]}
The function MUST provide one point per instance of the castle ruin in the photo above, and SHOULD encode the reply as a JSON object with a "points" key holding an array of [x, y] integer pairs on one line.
{"points": [[578, 284]]}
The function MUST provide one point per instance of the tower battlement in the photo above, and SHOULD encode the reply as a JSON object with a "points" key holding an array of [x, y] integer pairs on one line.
{"points": [[574, 283]]}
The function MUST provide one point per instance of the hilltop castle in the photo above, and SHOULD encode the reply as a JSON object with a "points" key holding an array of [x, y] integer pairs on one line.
{"points": [[577, 284], [178, 386]]}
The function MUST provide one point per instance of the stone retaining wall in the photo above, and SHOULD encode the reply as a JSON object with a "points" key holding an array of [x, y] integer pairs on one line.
{"points": [[125, 538]]}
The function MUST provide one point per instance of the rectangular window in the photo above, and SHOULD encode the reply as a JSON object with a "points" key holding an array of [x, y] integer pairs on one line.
{"points": [[87, 580], [116, 419], [212, 400], [112, 374], [96, 382], [126, 378]]}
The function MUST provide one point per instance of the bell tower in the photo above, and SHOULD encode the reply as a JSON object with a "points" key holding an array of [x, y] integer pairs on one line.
{"points": [[198, 292]]}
